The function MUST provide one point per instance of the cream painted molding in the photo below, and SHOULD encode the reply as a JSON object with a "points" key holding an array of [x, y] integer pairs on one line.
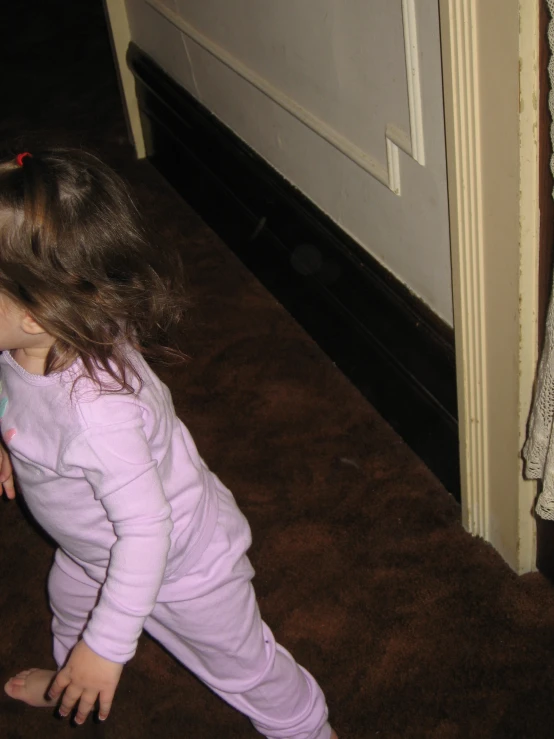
{"points": [[467, 241], [120, 37], [490, 54], [411, 143], [529, 222]]}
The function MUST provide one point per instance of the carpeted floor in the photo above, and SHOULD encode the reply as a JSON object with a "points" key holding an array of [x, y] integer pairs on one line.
{"points": [[413, 628]]}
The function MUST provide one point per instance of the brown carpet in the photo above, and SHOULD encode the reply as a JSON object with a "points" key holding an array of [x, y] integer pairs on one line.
{"points": [[413, 628]]}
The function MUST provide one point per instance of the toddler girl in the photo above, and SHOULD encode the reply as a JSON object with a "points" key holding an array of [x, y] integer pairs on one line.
{"points": [[148, 537]]}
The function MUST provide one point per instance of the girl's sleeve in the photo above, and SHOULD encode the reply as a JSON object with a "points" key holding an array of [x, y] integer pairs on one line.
{"points": [[116, 461]]}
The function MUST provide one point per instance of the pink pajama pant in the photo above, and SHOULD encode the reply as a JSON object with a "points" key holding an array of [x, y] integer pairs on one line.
{"points": [[209, 620]]}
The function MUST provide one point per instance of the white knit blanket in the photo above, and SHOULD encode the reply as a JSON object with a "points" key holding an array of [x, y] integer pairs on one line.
{"points": [[538, 451]]}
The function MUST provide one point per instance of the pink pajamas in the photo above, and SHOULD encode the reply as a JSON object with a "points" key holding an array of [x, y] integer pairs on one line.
{"points": [[209, 620], [148, 538]]}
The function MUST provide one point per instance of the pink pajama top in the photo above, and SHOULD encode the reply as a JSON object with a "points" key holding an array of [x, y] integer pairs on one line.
{"points": [[117, 482]]}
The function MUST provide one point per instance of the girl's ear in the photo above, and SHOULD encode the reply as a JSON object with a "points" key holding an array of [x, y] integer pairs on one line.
{"points": [[30, 326]]}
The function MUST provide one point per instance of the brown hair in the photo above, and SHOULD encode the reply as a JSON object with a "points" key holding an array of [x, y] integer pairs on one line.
{"points": [[75, 255]]}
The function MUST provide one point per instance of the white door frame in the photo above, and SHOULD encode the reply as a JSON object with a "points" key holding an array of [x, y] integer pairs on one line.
{"points": [[120, 34], [490, 71], [492, 153]]}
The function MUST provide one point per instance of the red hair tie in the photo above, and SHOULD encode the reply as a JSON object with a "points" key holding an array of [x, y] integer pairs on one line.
{"points": [[20, 157]]}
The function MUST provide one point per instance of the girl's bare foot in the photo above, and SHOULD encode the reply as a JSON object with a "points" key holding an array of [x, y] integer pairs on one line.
{"points": [[30, 686]]}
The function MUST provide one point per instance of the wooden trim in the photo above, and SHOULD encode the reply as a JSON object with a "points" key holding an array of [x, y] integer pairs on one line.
{"points": [[467, 248], [546, 181], [490, 53], [529, 255], [120, 36]]}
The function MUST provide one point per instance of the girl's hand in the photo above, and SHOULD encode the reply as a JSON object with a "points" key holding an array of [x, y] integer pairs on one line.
{"points": [[85, 678], [6, 473]]}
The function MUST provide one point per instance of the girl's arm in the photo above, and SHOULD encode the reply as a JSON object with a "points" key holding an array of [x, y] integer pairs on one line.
{"points": [[117, 462]]}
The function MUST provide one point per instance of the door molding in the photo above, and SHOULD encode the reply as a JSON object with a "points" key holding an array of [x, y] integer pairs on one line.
{"points": [[490, 72], [120, 37]]}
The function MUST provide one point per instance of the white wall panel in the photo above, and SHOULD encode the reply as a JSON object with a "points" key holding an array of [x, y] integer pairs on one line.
{"points": [[315, 87], [162, 41], [321, 55]]}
